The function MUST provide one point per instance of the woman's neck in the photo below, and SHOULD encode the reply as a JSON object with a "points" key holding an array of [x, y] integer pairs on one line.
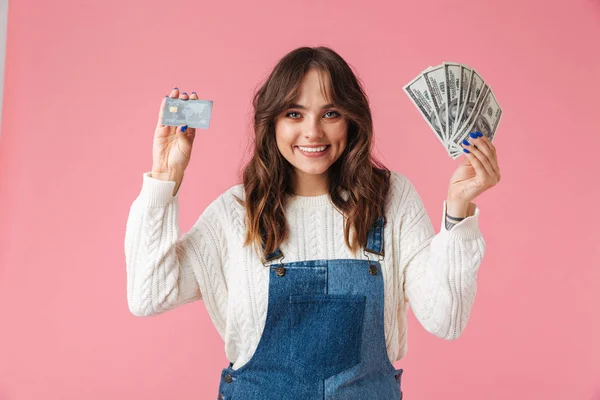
{"points": [[310, 184]]}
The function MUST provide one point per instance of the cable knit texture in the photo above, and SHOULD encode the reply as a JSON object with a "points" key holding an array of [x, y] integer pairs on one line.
{"points": [[434, 274]]}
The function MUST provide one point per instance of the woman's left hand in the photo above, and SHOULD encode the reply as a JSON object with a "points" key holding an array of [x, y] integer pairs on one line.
{"points": [[477, 173]]}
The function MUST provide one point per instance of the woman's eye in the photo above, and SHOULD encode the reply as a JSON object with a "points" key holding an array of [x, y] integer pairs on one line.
{"points": [[294, 112]]}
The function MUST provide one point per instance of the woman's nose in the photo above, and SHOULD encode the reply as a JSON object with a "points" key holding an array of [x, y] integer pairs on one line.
{"points": [[313, 130]]}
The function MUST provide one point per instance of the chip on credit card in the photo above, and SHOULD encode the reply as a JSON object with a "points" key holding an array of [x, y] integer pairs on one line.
{"points": [[193, 113]]}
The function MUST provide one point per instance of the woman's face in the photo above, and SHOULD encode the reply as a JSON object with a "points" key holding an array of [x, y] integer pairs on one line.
{"points": [[312, 123]]}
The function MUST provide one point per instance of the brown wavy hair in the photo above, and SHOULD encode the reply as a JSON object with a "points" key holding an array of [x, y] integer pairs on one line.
{"points": [[267, 175]]}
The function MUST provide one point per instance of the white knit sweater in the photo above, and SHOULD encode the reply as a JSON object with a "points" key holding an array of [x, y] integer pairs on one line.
{"points": [[436, 274]]}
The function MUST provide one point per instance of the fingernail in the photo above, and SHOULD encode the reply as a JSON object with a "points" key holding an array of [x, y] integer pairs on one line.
{"points": [[175, 88], [166, 95], [466, 151], [473, 135], [479, 134], [465, 142], [184, 93], [183, 128], [194, 93]]}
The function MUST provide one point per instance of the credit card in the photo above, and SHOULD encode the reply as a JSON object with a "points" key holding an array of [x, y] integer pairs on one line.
{"points": [[193, 113]]}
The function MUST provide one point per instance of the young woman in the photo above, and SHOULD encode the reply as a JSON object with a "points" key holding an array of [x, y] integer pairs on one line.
{"points": [[307, 268]]}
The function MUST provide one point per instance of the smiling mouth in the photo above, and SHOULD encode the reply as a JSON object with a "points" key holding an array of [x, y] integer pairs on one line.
{"points": [[312, 152], [313, 147]]}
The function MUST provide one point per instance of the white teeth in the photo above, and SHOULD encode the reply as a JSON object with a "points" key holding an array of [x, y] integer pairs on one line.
{"points": [[312, 149]]}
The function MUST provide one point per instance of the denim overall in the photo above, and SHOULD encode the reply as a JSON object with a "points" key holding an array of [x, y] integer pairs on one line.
{"points": [[324, 333]]}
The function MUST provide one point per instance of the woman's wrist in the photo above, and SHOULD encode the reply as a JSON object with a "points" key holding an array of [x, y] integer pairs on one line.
{"points": [[456, 211], [450, 221]]}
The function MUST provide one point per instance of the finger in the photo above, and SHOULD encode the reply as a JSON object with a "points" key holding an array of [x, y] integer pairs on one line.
{"points": [[493, 152], [192, 131], [189, 133], [487, 170], [183, 96], [483, 160], [476, 163], [174, 93], [488, 142], [483, 145]]}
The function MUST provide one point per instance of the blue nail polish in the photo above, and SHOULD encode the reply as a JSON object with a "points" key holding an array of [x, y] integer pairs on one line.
{"points": [[479, 134], [184, 93], [466, 151], [465, 142], [175, 88], [194, 93], [183, 128], [473, 135]]}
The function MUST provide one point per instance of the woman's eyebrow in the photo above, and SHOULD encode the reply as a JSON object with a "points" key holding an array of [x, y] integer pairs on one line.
{"points": [[304, 108]]}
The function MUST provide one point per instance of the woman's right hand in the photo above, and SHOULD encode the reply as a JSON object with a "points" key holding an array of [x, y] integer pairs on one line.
{"points": [[172, 148]]}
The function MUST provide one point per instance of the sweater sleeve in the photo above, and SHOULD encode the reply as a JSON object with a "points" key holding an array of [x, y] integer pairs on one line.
{"points": [[163, 269], [440, 270]]}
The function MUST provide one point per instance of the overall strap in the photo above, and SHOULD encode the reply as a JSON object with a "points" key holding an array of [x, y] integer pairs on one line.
{"points": [[375, 235], [271, 256]]}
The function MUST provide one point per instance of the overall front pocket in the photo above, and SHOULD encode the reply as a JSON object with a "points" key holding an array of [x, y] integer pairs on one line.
{"points": [[326, 332]]}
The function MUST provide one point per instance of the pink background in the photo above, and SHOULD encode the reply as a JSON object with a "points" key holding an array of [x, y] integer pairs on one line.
{"points": [[84, 81]]}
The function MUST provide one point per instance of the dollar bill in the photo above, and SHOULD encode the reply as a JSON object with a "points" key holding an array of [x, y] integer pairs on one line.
{"points": [[465, 82], [468, 125], [418, 92], [474, 95], [453, 83], [435, 78], [487, 118], [193, 113]]}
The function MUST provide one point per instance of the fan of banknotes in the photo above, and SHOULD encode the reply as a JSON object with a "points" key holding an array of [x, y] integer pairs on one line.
{"points": [[454, 100]]}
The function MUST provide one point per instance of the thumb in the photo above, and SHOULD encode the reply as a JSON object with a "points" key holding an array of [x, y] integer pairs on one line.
{"points": [[161, 112], [187, 133]]}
